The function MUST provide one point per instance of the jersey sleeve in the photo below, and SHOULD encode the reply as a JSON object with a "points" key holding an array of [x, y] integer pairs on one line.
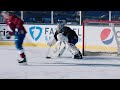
{"points": [[55, 36], [18, 23], [10, 24]]}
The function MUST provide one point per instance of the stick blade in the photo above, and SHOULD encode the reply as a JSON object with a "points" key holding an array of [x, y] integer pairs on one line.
{"points": [[48, 57]]}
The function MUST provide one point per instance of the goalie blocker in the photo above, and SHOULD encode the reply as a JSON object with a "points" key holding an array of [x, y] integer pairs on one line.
{"points": [[64, 38]]}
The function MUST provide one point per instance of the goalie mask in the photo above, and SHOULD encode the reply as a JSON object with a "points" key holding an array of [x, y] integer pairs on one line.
{"points": [[60, 26]]}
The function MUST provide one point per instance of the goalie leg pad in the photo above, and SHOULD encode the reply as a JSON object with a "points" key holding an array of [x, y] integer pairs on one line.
{"points": [[75, 51], [61, 51], [51, 42], [60, 48]]}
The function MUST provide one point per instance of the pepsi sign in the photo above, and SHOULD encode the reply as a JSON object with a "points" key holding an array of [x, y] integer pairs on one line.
{"points": [[106, 36]]}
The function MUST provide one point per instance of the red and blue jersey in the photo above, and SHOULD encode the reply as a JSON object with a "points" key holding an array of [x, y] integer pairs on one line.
{"points": [[14, 22]]}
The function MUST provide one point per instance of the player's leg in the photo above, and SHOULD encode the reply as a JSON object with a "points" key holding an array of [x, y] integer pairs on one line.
{"points": [[59, 49], [19, 38], [73, 49], [60, 45]]}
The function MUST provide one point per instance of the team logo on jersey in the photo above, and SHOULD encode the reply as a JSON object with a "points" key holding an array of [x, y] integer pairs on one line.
{"points": [[35, 32], [106, 36]]}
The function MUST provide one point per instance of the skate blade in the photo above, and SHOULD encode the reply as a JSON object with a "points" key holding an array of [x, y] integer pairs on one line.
{"points": [[23, 64]]}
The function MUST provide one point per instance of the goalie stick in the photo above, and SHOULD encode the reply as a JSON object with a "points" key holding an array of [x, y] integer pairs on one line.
{"points": [[48, 53]]}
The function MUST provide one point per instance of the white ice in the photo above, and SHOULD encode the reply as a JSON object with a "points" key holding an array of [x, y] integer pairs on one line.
{"points": [[90, 67]]}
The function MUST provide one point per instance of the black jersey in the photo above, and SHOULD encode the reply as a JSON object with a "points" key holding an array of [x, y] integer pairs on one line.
{"points": [[68, 32]]}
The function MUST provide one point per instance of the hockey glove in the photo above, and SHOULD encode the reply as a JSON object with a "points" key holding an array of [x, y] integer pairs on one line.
{"points": [[8, 36]]}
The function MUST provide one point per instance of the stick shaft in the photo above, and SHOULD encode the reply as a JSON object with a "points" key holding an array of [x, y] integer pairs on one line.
{"points": [[48, 51]]}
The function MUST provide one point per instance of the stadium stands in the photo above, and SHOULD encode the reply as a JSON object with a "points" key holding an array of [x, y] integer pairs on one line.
{"points": [[71, 17]]}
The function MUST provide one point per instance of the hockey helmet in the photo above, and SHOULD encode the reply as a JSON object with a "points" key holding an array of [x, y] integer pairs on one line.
{"points": [[60, 26]]}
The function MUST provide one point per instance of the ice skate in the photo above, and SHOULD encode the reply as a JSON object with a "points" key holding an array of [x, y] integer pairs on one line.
{"points": [[78, 56], [22, 62]]}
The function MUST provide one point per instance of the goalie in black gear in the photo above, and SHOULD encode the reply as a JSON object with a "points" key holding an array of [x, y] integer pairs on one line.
{"points": [[67, 38]]}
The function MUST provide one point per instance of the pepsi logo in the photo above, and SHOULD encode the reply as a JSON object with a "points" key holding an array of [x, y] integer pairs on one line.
{"points": [[106, 36]]}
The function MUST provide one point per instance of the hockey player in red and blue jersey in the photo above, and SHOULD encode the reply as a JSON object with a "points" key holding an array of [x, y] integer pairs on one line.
{"points": [[18, 30]]}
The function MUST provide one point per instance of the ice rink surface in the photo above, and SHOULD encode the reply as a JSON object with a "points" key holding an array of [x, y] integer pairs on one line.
{"points": [[90, 67]]}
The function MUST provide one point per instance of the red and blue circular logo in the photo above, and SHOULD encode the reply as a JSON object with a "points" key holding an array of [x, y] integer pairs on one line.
{"points": [[106, 36]]}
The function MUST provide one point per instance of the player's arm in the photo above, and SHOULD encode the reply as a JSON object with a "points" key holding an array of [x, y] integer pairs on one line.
{"points": [[19, 25], [58, 38], [10, 27], [17, 22], [53, 41]]}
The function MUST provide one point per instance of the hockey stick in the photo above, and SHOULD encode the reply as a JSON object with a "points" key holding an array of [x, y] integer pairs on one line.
{"points": [[48, 52]]}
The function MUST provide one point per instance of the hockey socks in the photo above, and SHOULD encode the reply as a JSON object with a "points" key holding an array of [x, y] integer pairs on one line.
{"points": [[22, 56]]}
